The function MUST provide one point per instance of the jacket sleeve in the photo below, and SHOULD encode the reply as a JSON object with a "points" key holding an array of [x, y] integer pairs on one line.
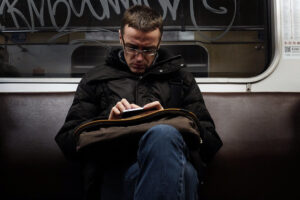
{"points": [[83, 109], [193, 101]]}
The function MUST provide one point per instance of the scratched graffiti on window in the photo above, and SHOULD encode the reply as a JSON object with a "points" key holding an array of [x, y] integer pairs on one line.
{"points": [[32, 14]]}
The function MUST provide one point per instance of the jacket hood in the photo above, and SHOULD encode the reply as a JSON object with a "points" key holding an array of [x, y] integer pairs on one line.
{"points": [[116, 66]]}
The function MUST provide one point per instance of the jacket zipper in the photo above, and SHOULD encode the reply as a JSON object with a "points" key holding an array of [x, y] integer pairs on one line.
{"points": [[136, 89]]}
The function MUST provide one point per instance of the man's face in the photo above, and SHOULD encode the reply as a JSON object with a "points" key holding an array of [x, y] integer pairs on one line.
{"points": [[146, 44]]}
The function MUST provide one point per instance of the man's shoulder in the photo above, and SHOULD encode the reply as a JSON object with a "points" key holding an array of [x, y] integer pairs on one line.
{"points": [[176, 67], [186, 76], [102, 72], [94, 72]]}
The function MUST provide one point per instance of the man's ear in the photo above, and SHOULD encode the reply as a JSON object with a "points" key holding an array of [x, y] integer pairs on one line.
{"points": [[159, 42], [120, 37]]}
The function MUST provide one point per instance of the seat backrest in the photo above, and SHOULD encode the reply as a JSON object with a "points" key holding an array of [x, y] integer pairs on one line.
{"points": [[32, 165], [260, 158]]}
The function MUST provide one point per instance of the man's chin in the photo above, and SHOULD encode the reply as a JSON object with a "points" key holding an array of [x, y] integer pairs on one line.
{"points": [[137, 70]]}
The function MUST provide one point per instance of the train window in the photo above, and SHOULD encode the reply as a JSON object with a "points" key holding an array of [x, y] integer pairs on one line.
{"points": [[87, 57], [60, 38]]}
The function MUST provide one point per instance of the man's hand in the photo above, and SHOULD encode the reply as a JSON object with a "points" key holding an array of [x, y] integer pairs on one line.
{"points": [[155, 105], [118, 109]]}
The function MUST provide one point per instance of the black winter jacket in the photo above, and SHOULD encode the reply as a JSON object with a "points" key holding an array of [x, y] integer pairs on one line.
{"points": [[165, 81]]}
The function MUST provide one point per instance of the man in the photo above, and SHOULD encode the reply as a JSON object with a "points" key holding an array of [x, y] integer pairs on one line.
{"points": [[159, 166]]}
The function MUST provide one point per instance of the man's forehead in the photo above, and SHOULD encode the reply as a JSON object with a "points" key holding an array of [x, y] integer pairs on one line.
{"points": [[135, 34], [129, 29]]}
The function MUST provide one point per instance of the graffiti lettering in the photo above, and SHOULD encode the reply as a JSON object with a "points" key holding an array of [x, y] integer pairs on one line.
{"points": [[221, 11], [106, 6], [14, 12], [39, 14]]}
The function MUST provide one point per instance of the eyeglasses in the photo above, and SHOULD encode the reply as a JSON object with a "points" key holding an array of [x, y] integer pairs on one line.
{"points": [[135, 51]]}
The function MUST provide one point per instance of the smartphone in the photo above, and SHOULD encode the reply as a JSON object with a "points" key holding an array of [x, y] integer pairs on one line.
{"points": [[132, 112]]}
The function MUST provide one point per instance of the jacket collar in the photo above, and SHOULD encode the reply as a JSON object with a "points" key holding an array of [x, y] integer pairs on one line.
{"points": [[116, 67]]}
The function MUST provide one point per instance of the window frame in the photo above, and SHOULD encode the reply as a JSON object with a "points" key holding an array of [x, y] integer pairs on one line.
{"points": [[276, 43]]}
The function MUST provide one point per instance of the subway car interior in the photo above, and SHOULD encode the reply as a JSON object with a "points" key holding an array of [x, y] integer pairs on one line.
{"points": [[244, 55]]}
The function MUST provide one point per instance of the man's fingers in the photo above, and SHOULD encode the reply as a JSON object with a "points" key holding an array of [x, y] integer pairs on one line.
{"points": [[119, 108], [134, 106], [153, 105], [116, 111], [126, 104]]}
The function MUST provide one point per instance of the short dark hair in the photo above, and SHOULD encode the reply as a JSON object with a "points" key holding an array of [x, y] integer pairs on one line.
{"points": [[142, 18]]}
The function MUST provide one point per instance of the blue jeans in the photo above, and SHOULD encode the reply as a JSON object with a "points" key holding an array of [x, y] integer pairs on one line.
{"points": [[162, 170]]}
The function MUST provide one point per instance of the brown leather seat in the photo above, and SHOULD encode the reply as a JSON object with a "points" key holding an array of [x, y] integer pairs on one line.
{"points": [[32, 166], [260, 158]]}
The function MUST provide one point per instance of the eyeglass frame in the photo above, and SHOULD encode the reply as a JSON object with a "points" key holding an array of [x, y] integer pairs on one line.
{"points": [[138, 51]]}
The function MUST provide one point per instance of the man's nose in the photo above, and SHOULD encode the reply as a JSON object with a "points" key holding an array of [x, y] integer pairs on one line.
{"points": [[139, 56]]}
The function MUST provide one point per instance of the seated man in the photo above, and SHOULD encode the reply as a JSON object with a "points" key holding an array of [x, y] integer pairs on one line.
{"points": [[159, 166]]}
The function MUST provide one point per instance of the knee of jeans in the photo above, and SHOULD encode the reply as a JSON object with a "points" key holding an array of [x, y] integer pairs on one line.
{"points": [[162, 134]]}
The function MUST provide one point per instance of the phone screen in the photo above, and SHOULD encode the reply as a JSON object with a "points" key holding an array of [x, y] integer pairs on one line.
{"points": [[133, 112]]}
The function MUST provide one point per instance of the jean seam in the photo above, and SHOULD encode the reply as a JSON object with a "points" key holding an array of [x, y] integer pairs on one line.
{"points": [[181, 175]]}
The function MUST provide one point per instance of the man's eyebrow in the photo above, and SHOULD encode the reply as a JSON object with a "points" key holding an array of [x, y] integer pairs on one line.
{"points": [[150, 47], [136, 47], [132, 45]]}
